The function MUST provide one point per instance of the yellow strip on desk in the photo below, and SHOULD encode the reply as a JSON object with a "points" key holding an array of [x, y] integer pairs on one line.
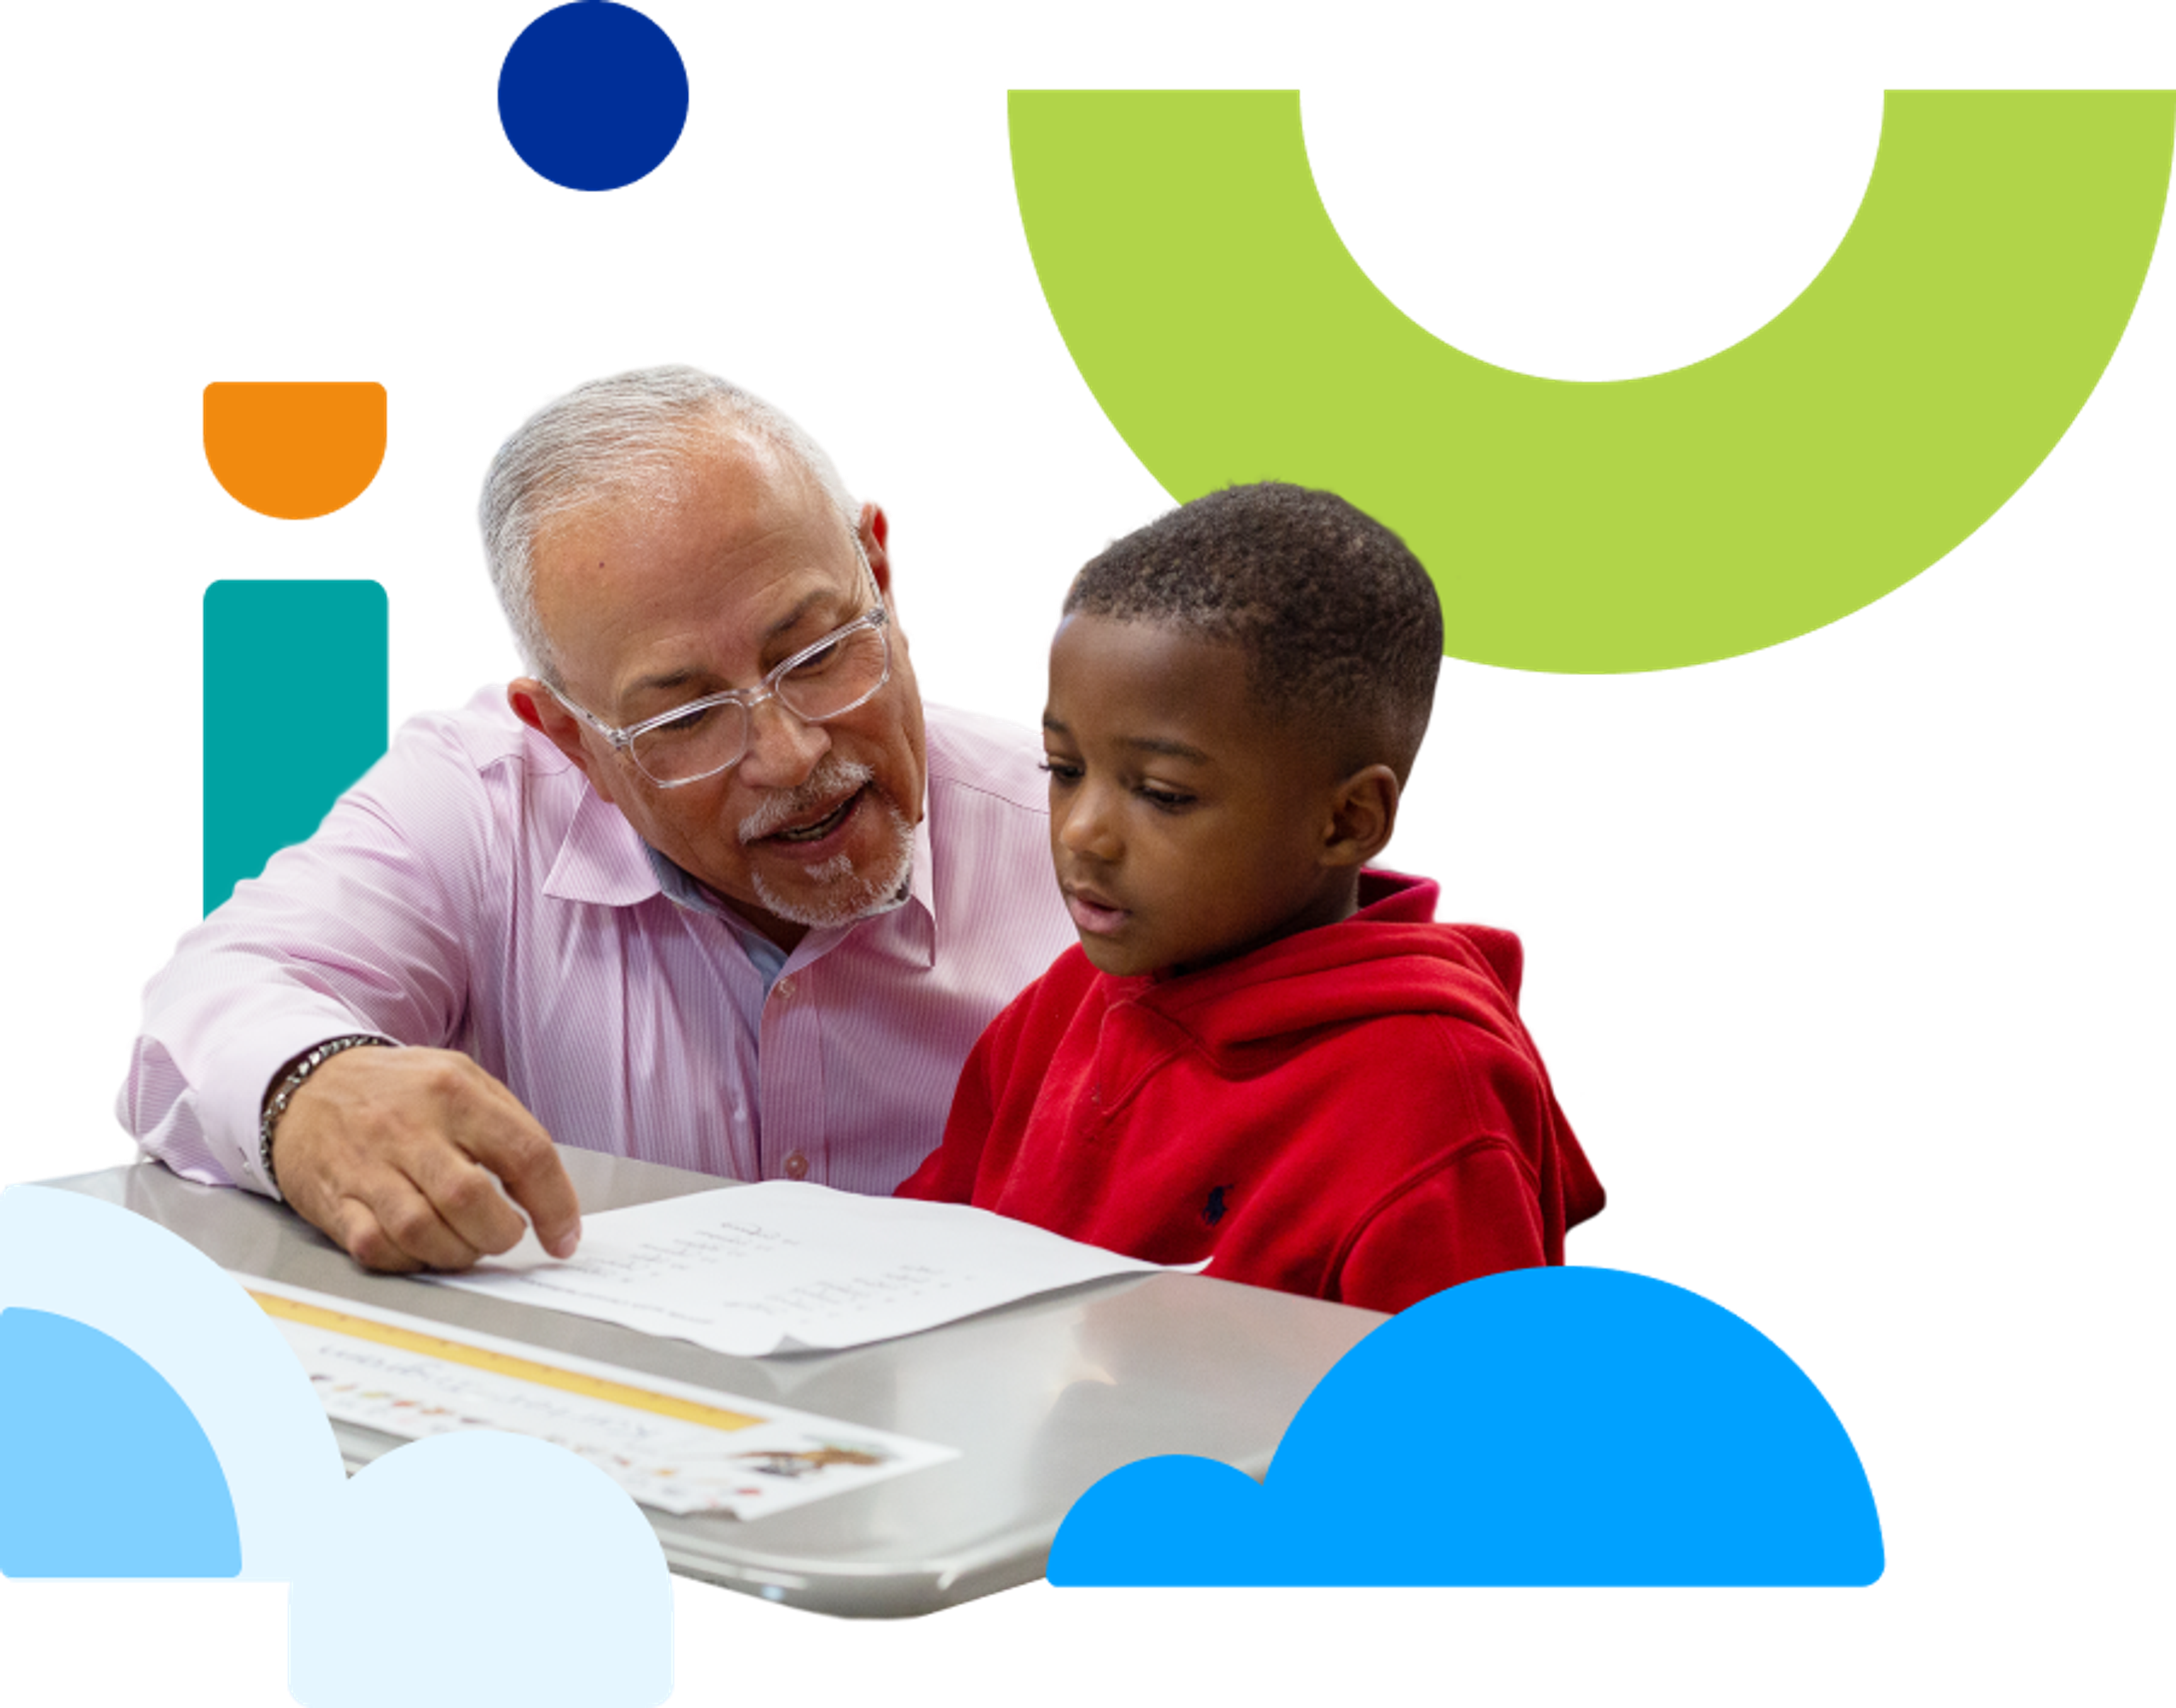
{"points": [[504, 1364]]}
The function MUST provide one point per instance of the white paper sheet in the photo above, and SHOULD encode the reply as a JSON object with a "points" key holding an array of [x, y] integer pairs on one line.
{"points": [[670, 1445], [787, 1266]]}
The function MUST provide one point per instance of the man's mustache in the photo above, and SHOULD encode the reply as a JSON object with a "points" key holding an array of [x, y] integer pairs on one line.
{"points": [[833, 780]]}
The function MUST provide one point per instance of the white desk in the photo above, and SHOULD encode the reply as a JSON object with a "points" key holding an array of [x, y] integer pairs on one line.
{"points": [[1041, 1398]]}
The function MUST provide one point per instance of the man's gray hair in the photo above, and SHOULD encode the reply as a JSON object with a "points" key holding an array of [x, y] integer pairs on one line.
{"points": [[604, 437]]}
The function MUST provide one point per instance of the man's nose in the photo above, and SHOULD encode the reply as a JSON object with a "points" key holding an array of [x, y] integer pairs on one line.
{"points": [[782, 750]]}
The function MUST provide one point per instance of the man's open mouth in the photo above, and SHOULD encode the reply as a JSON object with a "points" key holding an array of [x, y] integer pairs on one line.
{"points": [[818, 830]]}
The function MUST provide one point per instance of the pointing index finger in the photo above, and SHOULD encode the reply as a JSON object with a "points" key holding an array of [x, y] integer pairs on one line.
{"points": [[511, 1143]]}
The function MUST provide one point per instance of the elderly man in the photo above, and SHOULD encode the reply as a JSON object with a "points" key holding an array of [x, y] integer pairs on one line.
{"points": [[710, 886]]}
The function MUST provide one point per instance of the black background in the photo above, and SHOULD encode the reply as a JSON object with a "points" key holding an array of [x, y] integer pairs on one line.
{"points": [[1768, 903]]}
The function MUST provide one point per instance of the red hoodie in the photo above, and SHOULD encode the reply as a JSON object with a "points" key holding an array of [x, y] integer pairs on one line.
{"points": [[1353, 1112]]}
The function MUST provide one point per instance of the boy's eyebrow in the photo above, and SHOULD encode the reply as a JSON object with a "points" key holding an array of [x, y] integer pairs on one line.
{"points": [[1141, 744], [1173, 749]]}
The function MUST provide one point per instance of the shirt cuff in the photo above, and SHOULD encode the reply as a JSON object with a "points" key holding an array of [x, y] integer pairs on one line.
{"points": [[236, 1072]]}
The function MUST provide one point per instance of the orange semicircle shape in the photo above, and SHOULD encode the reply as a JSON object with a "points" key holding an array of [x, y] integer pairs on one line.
{"points": [[297, 449]]}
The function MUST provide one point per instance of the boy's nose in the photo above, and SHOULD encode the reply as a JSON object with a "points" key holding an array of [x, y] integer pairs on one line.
{"points": [[1085, 828]]}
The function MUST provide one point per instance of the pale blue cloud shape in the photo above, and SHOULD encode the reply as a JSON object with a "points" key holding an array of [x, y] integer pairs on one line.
{"points": [[481, 1568], [465, 1568], [1547, 1426]]}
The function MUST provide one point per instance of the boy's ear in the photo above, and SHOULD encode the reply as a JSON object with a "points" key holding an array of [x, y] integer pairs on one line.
{"points": [[1363, 812]]}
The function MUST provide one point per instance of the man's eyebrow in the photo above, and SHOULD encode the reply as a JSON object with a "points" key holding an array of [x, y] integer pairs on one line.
{"points": [[1143, 742], [785, 625]]}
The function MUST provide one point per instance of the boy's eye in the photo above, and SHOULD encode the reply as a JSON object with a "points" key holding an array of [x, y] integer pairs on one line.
{"points": [[1064, 770]]}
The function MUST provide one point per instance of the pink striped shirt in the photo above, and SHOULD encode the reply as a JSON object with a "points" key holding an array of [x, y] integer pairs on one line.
{"points": [[471, 892]]}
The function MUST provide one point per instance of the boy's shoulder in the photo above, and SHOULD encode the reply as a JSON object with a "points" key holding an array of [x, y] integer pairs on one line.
{"points": [[1015, 1065], [1060, 991]]}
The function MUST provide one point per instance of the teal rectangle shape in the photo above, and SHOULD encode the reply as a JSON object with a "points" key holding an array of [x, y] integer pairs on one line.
{"points": [[294, 710]]}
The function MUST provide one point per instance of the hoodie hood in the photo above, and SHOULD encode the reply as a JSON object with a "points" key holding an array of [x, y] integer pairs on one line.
{"points": [[1393, 955], [1389, 958]]}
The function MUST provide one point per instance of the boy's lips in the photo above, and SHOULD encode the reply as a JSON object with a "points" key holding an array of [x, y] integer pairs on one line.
{"points": [[1094, 913]]}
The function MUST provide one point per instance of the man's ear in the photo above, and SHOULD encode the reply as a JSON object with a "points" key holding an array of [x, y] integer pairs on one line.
{"points": [[874, 530], [1363, 812], [538, 707]]}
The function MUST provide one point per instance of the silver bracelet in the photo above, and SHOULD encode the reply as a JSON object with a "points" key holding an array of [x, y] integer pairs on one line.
{"points": [[276, 1104]]}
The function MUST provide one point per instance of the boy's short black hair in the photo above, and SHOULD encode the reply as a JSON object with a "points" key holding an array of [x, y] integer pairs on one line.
{"points": [[1341, 625]]}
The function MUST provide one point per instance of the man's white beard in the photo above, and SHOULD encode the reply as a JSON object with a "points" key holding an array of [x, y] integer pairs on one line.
{"points": [[846, 894]]}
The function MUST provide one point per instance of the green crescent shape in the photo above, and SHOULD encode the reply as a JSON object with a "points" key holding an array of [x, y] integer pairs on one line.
{"points": [[1623, 524]]}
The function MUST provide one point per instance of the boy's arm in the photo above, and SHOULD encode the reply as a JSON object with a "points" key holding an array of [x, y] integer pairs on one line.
{"points": [[1475, 1213]]}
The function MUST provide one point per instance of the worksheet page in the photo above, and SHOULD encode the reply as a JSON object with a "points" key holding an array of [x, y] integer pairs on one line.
{"points": [[785, 1266], [669, 1444]]}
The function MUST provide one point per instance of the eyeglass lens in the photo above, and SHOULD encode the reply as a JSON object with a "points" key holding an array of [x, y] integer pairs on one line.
{"points": [[708, 738]]}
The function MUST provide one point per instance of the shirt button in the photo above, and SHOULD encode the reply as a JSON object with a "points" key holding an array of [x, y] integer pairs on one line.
{"points": [[783, 990], [796, 1166]]}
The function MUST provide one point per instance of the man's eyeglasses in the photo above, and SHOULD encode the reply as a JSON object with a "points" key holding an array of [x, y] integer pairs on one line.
{"points": [[843, 670]]}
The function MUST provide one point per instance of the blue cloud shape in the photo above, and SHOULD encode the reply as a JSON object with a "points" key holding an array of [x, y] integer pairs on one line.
{"points": [[104, 1473], [125, 1284], [154, 1423], [1548, 1426]]}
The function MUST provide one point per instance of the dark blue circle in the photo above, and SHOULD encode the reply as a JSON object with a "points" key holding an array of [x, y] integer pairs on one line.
{"points": [[593, 95]]}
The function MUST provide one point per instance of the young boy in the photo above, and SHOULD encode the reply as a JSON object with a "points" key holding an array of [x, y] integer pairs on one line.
{"points": [[1261, 1053]]}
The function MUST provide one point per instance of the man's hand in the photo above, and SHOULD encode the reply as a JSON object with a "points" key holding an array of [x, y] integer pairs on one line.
{"points": [[398, 1155]]}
